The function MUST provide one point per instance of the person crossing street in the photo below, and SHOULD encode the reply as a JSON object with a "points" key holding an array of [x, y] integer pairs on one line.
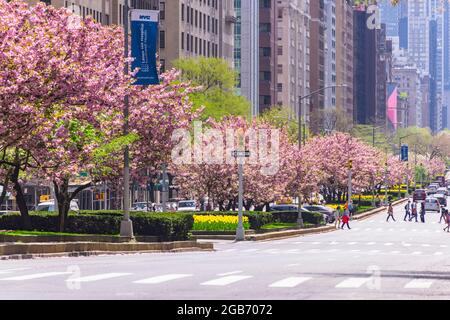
{"points": [[422, 212], [407, 211], [390, 213], [413, 211], [346, 219]]}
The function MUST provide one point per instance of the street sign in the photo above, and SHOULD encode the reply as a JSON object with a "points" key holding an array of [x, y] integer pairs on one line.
{"points": [[83, 174], [404, 153], [240, 154]]}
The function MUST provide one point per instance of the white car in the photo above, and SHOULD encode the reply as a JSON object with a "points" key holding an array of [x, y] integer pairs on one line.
{"points": [[187, 206], [49, 206], [432, 204]]}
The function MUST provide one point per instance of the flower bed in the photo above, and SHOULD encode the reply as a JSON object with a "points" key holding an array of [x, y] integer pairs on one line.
{"points": [[218, 223]]}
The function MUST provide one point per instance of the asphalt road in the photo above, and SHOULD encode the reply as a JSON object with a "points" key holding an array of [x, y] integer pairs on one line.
{"points": [[373, 260]]}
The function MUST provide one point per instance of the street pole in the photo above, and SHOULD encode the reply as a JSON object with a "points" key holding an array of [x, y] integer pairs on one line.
{"points": [[126, 225], [385, 184], [350, 194], [164, 188], [415, 166], [299, 215], [240, 232]]}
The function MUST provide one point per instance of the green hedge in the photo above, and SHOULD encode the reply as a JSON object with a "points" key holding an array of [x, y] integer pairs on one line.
{"points": [[167, 226]]}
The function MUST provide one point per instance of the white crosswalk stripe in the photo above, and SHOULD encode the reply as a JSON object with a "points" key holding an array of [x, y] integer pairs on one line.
{"points": [[389, 244], [98, 277], [419, 284], [353, 283], [289, 282], [229, 273], [163, 278], [416, 253], [225, 280], [250, 250], [36, 276], [4, 271]]}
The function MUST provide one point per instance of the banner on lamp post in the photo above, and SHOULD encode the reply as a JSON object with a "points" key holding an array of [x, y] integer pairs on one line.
{"points": [[144, 33]]}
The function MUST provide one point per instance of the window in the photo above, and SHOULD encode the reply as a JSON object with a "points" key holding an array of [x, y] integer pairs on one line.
{"points": [[162, 39], [162, 11]]}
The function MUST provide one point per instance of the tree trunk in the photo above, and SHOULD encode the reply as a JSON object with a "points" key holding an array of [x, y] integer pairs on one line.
{"points": [[64, 199], [20, 199]]}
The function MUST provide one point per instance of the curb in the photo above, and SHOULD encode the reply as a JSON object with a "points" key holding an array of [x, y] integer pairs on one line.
{"points": [[73, 249]]}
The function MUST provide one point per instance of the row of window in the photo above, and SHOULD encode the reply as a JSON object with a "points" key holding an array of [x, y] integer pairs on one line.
{"points": [[199, 46], [199, 19]]}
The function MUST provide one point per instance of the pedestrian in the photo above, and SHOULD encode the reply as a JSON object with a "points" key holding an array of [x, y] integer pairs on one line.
{"points": [[351, 209], [413, 211], [390, 212], [337, 217], [407, 210], [443, 215], [422, 212], [346, 219], [447, 214]]}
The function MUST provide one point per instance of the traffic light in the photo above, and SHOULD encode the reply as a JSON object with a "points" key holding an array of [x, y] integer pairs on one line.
{"points": [[350, 164]]}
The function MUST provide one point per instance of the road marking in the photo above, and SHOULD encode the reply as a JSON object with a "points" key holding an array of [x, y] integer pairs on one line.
{"points": [[356, 229], [229, 273], [225, 281], [403, 229], [316, 243], [293, 265], [367, 229], [98, 277], [12, 270], [416, 253], [392, 229], [371, 243], [229, 250], [353, 283], [414, 230], [299, 242], [356, 250], [443, 246], [36, 276], [374, 251], [379, 229], [293, 251], [389, 244], [438, 253], [250, 250], [312, 251], [419, 284], [352, 243], [426, 245], [395, 252], [334, 243], [407, 244], [164, 278], [271, 250], [289, 282]]}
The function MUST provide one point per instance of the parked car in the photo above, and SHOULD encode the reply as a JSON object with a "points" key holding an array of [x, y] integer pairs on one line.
{"points": [[419, 195], [187, 205], [49, 206], [441, 198], [327, 212], [141, 206], [284, 208], [443, 191], [432, 204]]}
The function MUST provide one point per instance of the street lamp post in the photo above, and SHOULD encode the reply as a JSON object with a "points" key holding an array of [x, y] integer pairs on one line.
{"points": [[300, 99], [126, 225]]}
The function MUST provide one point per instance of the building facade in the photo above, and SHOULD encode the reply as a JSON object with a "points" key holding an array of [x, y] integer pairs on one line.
{"points": [[246, 47], [293, 53]]}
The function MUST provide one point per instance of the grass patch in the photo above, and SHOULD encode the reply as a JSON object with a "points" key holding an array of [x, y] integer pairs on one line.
{"points": [[278, 225]]}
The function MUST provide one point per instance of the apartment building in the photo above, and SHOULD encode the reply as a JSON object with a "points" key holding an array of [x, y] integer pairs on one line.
{"points": [[246, 47], [293, 54], [191, 28], [344, 56], [267, 54]]}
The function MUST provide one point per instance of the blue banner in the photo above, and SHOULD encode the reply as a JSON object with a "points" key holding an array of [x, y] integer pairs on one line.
{"points": [[405, 153], [144, 33]]}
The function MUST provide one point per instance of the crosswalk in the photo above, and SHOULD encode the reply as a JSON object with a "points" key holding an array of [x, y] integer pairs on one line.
{"points": [[235, 278]]}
